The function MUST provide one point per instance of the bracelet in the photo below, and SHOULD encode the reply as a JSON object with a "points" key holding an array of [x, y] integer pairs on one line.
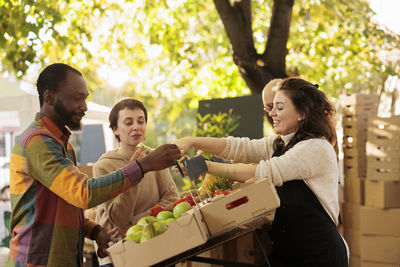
{"points": [[94, 232], [140, 167]]}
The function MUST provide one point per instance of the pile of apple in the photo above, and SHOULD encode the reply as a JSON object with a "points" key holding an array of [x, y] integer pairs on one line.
{"points": [[157, 223]]}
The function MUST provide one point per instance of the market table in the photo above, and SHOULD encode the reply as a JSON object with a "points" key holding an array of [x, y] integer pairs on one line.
{"points": [[215, 241]]}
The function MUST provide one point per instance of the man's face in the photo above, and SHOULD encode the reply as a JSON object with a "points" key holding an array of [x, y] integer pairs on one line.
{"points": [[70, 101], [268, 102]]}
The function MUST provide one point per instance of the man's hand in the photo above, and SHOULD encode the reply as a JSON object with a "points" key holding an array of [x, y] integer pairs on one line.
{"points": [[163, 157], [102, 238]]}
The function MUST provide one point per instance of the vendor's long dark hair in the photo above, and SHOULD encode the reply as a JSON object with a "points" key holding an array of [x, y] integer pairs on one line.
{"points": [[317, 112]]}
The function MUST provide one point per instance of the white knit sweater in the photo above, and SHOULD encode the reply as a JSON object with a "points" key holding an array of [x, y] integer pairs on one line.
{"points": [[313, 160]]}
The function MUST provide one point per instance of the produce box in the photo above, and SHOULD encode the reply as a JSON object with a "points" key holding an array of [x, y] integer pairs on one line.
{"points": [[382, 194], [185, 233], [255, 197], [359, 103]]}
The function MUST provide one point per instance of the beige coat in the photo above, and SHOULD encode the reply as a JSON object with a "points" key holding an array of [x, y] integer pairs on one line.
{"points": [[126, 209]]}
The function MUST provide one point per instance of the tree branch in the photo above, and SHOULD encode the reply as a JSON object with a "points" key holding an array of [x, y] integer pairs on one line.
{"points": [[278, 35], [237, 23]]}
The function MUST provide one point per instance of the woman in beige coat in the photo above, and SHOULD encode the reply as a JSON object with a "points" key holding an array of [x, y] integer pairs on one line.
{"points": [[128, 120]]}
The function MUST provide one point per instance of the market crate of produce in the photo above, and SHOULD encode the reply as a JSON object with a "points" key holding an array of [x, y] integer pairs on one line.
{"points": [[255, 197], [185, 233]]}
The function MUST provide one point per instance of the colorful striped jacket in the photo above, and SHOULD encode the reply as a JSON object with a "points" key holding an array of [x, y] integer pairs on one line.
{"points": [[48, 195]]}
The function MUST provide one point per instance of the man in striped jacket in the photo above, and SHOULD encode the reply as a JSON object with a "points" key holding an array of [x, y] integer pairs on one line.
{"points": [[48, 192]]}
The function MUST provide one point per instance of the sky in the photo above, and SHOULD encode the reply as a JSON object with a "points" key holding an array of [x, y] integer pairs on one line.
{"points": [[387, 13]]}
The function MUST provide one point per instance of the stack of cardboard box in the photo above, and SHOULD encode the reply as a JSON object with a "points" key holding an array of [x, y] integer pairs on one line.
{"points": [[371, 212], [356, 109]]}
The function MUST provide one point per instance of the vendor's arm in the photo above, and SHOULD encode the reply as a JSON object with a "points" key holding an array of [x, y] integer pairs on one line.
{"points": [[211, 145], [237, 149], [308, 158], [237, 172], [48, 165]]}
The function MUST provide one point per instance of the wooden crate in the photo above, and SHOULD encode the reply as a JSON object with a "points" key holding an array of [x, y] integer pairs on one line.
{"points": [[354, 152], [359, 99], [383, 148], [359, 163], [354, 189], [360, 103], [355, 125], [383, 168], [352, 172], [390, 149], [354, 141]]}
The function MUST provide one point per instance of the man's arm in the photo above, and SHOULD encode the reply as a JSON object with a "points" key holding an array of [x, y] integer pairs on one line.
{"points": [[47, 164], [95, 232]]}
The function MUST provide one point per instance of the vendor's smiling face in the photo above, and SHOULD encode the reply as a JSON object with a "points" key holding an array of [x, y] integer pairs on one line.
{"points": [[131, 127], [285, 117]]}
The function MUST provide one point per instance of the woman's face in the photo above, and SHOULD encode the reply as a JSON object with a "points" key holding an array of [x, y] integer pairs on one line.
{"points": [[285, 117], [131, 126]]}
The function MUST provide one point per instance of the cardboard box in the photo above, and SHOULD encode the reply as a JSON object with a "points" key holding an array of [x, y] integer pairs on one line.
{"points": [[253, 199], [351, 216], [382, 194], [378, 264], [360, 120], [383, 168], [352, 238], [381, 171], [390, 150], [358, 142], [354, 190], [359, 99], [375, 221], [359, 163], [371, 221], [384, 249], [355, 261], [352, 172], [354, 152], [185, 233], [379, 125]]}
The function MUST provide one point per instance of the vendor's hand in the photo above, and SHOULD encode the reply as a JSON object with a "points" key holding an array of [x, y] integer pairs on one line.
{"points": [[163, 157], [184, 143], [102, 240], [176, 170]]}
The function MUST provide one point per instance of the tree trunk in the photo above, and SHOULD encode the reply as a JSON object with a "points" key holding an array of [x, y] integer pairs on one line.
{"points": [[257, 69]]}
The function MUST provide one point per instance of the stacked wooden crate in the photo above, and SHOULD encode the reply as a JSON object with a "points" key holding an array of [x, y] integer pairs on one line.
{"points": [[380, 242], [355, 111], [371, 213]]}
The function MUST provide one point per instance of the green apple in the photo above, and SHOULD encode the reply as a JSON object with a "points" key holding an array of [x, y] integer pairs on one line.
{"points": [[146, 219], [160, 227], [170, 220], [148, 232], [181, 208], [163, 215], [134, 228], [135, 236]]}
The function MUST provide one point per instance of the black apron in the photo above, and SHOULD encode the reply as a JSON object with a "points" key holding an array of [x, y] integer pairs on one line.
{"points": [[302, 231]]}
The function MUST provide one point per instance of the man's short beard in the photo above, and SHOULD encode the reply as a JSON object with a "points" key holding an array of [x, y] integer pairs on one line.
{"points": [[60, 109]]}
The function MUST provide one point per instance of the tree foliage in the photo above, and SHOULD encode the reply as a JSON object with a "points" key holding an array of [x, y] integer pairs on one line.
{"points": [[176, 52]]}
